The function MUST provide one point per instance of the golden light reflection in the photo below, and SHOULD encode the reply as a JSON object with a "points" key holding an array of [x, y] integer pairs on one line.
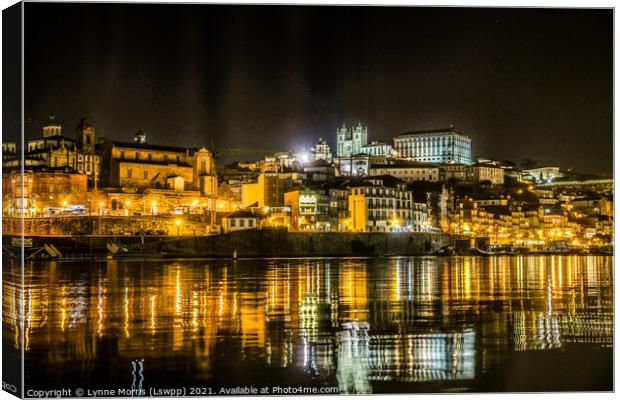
{"points": [[402, 319]]}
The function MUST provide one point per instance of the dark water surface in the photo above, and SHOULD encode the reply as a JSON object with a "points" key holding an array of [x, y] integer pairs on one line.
{"points": [[411, 324]]}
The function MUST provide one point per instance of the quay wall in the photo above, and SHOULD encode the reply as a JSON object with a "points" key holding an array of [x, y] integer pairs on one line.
{"points": [[253, 243]]}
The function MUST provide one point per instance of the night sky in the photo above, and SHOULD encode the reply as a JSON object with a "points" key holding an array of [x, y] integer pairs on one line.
{"points": [[523, 83]]}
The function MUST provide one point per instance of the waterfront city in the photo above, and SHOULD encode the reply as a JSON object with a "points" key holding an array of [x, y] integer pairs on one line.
{"points": [[241, 200]]}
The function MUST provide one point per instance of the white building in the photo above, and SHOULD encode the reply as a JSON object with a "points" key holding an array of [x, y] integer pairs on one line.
{"points": [[437, 146], [238, 221], [408, 172], [321, 151], [542, 174], [351, 141], [378, 149], [356, 165]]}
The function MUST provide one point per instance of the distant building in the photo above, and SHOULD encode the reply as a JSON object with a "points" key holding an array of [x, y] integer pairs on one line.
{"points": [[478, 173], [54, 150], [378, 149], [320, 171], [269, 189], [453, 172], [309, 210], [351, 141], [435, 146], [45, 191], [407, 171], [9, 151], [139, 165], [542, 174], [356, 165], [321, 151], [383, 204]]}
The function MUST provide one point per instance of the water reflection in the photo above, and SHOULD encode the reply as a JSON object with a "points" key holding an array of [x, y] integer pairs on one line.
{"points": [[346, 323]]}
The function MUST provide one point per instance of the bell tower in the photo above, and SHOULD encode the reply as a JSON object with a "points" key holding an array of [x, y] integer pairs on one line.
{"points": [[85, 133]]}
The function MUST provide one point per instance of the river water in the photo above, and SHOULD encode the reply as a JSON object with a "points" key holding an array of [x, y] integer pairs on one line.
{"points": [[409, 324]]}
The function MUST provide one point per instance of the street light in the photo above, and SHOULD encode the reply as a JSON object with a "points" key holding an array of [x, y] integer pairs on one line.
{"points": [[100, 214], [178, 223]]}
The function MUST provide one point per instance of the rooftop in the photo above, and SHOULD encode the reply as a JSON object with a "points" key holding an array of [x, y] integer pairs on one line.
{"points": [[450, 129]]}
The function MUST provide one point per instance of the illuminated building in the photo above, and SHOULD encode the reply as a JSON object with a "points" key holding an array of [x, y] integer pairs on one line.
{"points": [[437, 146], [383, 204], [53, 150], [309, 210], [478, 173], [238, 221], [45, 191], [542, 174], [407, 171], [9, 151], [351, 141], [355, 165], [455, 172], [321, 151], [269, 189], [377, 149], [320, 171], [141, 165]]}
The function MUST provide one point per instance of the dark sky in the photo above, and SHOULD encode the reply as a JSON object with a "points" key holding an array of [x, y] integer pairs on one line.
{"points": [[523, 83]]}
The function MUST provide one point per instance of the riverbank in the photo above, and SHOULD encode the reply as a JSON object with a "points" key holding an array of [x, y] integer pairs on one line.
{"points": [[248, 243]]}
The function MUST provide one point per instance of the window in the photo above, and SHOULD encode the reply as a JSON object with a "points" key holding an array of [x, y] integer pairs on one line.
{"points": [[178, 159], [150, 157], [129, 173], [165, 157], [137, 155], [146, 174], [250, 222], [233, 223], [122, 154], [241, 223]]}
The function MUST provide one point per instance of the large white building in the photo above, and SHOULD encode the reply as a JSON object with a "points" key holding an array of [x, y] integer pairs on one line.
{"points": [[408, 172], [378, 149], [350, 141], [440, 146]]}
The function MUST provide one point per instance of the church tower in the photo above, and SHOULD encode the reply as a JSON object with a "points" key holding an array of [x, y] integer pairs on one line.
{"points": [[52, 127], [85, 133]]}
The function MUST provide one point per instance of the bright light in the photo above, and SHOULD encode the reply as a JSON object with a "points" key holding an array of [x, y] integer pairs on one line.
{"points": [[128, 203], [221, 205], [101, 204], [153, 203], [178, 222], [64, 203]]}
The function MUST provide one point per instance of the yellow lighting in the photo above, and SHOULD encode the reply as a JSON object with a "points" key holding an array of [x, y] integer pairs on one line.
{"points": [[153, 203], [178, 222], [128, 203], [101, 204], [64, 203], [221, 205]]}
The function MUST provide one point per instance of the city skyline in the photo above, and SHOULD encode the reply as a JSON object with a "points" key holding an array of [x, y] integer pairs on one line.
{"points": [[268, 76]]}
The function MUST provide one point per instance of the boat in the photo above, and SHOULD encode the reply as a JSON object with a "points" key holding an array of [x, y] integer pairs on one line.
{"points": [[445, 251]]}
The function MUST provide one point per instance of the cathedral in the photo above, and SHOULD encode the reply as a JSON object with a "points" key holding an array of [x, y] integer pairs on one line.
{"points": [[351, 141]]}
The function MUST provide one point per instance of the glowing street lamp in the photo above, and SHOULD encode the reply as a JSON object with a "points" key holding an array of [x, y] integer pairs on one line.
{"points": [[178, 224]]}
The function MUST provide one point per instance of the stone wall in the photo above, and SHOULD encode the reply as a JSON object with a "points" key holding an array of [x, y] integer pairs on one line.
{"points": [[259, 243]]}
